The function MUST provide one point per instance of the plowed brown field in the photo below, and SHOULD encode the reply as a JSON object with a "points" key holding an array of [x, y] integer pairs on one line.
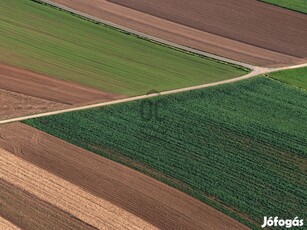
{"points": [[23, 92], [69, 206], [23, 209], [16, 104], [249, 31], [47, 88], [141, 196]]}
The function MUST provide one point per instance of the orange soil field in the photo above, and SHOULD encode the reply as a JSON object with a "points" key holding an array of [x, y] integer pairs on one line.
{"points": [[248, 31], [23, 92], [149, 201]]}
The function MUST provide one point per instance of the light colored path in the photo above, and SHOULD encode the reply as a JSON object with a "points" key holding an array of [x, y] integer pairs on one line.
{"points": [[143, 35], [257, 71], [6, 225]]}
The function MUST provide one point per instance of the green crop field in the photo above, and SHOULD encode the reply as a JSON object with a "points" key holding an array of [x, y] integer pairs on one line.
{"points": [[53, 42], [297, 5], [241, 148], [295, 77]]}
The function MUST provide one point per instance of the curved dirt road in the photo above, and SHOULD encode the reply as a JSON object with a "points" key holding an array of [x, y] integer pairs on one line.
{"points": [[257, 71]]}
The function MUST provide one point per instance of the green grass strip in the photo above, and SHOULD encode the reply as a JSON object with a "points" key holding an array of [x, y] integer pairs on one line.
{"points": [[296, 5], [294, 77], [50, 41]]}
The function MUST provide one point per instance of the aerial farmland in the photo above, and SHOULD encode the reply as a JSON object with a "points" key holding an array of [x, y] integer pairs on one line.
{"points": [[125, 114]]}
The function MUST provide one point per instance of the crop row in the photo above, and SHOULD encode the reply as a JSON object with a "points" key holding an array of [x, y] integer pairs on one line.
{"points": [[237, 147]]}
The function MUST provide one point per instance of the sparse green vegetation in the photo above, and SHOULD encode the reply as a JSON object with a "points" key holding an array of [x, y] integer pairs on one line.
{"points": [[240, 147], [53, 42], [295, 77], [297, 5]]}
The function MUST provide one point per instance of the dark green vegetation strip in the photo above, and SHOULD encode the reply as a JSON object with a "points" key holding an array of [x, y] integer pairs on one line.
{"points": [[295, 77], [240, 147], [296, 5], [46, 40]]}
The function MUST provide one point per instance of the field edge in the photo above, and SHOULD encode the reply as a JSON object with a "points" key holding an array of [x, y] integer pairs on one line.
{"points": [[236, 66]]}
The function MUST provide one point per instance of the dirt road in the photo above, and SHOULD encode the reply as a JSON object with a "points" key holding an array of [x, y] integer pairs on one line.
{"points": [[17, 104], [250, 22], [220, 16], [23, 92], [257, 71], [72, 4]]}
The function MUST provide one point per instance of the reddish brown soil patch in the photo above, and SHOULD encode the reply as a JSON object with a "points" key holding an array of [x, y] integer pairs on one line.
{"points": [[16, 104], [29, 212], [249, 31], [23, 92], [47, 88], [140, 195], [250, 22]]}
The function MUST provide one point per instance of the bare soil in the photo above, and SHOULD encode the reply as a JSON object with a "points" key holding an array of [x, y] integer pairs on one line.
{"points": [[44, 87], [16, 104], [250, 22], [47, 193], [5, 224], [140, 195], [27, 211], [248, 31], [23, 92]]}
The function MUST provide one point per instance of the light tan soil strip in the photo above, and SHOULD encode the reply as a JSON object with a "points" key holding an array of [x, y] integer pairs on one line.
{"points": [[6, 225], [149, 199], [16, 104], [28, 212], [66, 196], [195, 38]]}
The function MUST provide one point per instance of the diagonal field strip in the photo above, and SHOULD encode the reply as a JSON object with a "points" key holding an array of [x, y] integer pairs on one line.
{"points": [[5, 224], [257, 71], [146, 36], [66, 196]]}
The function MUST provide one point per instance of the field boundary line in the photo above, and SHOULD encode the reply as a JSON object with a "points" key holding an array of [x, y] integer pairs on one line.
{"points": [[148, 37], [257, 71]]}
